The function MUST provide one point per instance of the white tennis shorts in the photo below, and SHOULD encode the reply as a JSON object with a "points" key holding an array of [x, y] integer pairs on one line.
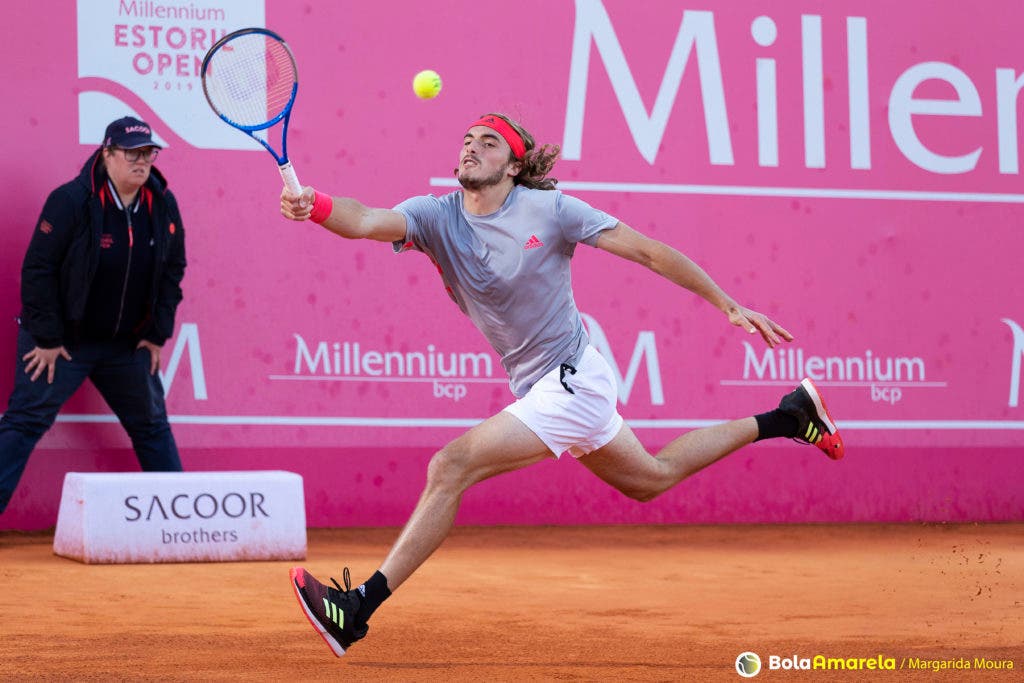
{"points": [[578, 422]]}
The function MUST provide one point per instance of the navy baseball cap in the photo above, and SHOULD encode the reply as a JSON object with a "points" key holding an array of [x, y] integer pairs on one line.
{"points": [[129, 133]]}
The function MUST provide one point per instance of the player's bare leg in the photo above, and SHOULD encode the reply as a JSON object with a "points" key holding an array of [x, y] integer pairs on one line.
{"points": [[500, 444], [625, 463]]}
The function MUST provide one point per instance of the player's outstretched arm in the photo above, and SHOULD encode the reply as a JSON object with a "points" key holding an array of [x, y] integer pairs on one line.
{"points": [[675, 266], [343, 216]]}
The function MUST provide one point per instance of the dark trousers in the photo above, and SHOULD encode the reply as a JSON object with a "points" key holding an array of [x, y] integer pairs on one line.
{"points": [[120, 372]]}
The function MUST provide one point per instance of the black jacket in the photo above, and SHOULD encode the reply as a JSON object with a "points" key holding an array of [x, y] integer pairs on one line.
{"points": [[64, 252]]}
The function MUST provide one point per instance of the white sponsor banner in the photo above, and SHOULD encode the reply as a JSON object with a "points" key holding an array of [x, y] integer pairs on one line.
{"points": [[138, 517], [141, 52]]}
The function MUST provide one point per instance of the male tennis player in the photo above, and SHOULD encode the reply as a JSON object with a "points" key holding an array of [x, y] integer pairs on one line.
{"points": [[503, 246]]}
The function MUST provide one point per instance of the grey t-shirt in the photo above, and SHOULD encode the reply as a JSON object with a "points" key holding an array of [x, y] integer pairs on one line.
{"points": [[509, 271]]}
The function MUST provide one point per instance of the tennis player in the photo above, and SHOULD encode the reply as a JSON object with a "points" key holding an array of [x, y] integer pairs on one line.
{"points": [[503, 245]]}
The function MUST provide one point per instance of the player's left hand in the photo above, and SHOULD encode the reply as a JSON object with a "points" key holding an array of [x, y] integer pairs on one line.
{"points": [[154, 355], [752, 321]]}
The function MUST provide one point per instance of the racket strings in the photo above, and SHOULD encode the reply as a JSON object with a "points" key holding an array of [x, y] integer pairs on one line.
{"points": [[250, 79]]}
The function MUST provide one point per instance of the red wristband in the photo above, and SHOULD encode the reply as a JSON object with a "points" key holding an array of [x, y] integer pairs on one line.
{"points": [[322, 206]]}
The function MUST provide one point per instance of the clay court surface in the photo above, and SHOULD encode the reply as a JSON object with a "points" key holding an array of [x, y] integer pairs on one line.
{"points": [[664, 603]]}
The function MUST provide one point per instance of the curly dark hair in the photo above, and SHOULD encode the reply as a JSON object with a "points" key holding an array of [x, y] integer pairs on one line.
{"points": [[537, 161]]}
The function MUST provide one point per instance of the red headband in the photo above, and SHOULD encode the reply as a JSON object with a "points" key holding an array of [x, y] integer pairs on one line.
{"points": [[501, 126]]}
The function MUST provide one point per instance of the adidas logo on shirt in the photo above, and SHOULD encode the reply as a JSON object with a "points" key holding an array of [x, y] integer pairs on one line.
{"points": [[533, 243]]}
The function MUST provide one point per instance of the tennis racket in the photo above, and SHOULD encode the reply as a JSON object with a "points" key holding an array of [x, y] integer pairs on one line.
{"points": [[250, 80]]}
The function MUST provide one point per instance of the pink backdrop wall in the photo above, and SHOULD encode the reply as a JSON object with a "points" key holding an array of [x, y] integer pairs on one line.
{"points": [[849, 168]]}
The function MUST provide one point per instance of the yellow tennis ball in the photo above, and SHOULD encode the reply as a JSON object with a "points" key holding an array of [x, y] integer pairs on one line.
{"points": [[426, 84]]}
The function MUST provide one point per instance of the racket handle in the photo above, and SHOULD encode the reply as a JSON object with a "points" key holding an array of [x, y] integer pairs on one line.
{"points": [[291, 181]]}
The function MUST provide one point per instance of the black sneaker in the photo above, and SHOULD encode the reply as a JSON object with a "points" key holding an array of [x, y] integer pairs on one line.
{"points": [[331, 611], [816, 424]]}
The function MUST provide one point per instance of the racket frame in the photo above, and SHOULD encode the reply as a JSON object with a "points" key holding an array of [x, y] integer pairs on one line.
{"points": [[283, 164]]}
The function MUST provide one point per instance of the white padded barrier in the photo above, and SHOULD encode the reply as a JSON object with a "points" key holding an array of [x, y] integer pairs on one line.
{"points": [[139, 517]]}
